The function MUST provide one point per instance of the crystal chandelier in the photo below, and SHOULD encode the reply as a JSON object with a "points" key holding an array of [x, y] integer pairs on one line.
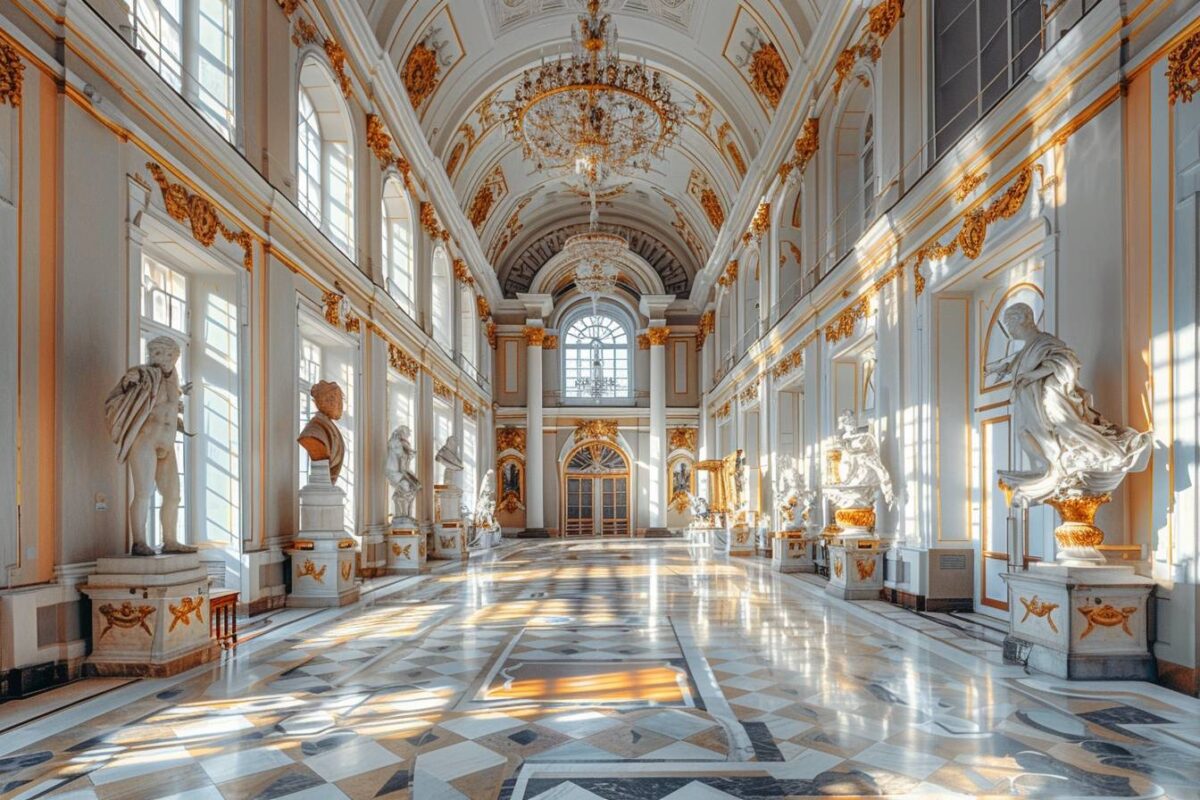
{"points": [[596, 385], [595, 254], [590, 113]]}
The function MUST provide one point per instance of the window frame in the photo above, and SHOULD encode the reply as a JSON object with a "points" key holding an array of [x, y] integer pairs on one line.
{"points": [[390, 224], [624, 325]]}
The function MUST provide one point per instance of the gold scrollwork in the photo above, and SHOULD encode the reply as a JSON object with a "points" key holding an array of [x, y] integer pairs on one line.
{"points": [[882, 19], [586, 429], [550, 342], [1183, 70], [730, 274], [200, 213], [12, 75], [838, 568], [750, 393], [722, 411], [510, 439], [842, 326], [346, 567], [1106, 616], [658, 336], [793, 360], [865, 568], [759, 224], [968, 183], [708, 324], [442, 390], [430, 223], [183, 611], [309, 569], [125, 615], [682, 439], [768, 73], [402, 362], [1039, 609]]}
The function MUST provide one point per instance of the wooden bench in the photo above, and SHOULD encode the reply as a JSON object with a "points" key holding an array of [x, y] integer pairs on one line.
{"points": [[222, 616]]}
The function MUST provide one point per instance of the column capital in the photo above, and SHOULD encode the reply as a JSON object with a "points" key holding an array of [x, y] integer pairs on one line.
{"points": [[535, 335], [658, 336]]}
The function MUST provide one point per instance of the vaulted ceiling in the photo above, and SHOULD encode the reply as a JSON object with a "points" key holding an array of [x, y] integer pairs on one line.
{"points": [[727, 61]]}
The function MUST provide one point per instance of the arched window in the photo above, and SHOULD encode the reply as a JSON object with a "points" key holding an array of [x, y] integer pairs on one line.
{"points": [[190, 44], [442, 331], [868, 170], [596, 357], [725, 330], [397, 245], [468, 333], [325, 157], [853, 194]]}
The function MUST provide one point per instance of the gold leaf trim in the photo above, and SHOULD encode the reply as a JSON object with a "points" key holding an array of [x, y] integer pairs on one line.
{"points": [[200, 213]]}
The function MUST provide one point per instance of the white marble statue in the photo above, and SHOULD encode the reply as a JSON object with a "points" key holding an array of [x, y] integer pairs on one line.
{"points": [[863, 475], [321, 438], [485, 503], [698, 505], [788, 490], [143, 415], [452, 464], [1071, 448], [398, 470]]}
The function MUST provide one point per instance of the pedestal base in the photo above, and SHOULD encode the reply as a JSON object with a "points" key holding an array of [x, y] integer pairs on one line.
{"points": [[701, 536], [149, 616], [764, 542], [855, 570], [322, 571], [534, 533], [486, 538], [1081, 622], [793, 552], [740, 541], [405, 551], [450, 542], [658, 533], [719, 538]]}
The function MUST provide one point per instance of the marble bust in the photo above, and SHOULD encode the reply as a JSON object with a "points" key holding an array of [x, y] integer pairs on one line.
{"points": [[399, 474], [143, 415], [448, 457], [321, 437], [1070, 447]]}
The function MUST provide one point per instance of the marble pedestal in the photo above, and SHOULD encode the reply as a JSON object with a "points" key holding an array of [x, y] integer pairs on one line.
{"points": [[793, 552], [149, 615], [703, 535], [450, 541], [487, 538], [719, 539], [764, 542], [1081, 622], [855, 569], [405, 551], [322, 554], [739, 540], [448, 499]]}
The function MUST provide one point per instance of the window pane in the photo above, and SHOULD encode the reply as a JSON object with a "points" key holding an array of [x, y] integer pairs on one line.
{"points": [[214, 70], [308, 154], [158, 29]]}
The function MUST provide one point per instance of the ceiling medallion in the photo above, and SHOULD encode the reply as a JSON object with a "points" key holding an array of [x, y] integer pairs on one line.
{"points": [[589, 112]]}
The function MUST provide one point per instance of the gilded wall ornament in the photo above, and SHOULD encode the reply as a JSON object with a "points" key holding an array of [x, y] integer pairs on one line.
{"points": [[759, 224], [1183, 70], [838, 569], [708, 324], [1039, 609], [723, 410], [658, 336], [807, 143], [483, 307], [420, 73], [309, 570], [729, 276], [183, 612], [1106, 616], [126, 616], [402, 551], [643, 341], [865, 568], [749, 394], [200, 214], [791, 361], [288, 6], [510, 439], [379, 140], [345, 569], [402, 362], [725, 140], [550, 342], [534, 336], [843, 325], [470, 409], [430, 223], [587, 429], [682, 439], [490, 331], [882, 19], [338, 312], [462, 273], [443, 390], [969, 182], [12, 77]]}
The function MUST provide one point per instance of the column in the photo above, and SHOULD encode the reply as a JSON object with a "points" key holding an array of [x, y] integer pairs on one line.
{"points": [[537, 307], [658, 336]]}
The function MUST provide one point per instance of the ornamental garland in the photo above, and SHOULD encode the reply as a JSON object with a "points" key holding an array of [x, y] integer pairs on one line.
{"points": [[200, 213], [1183, 70]]}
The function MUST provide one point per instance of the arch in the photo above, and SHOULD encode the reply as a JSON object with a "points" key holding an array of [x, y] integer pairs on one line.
{"points": [[396, 234], [852, 197], [790, 284], [441, 299], [595, 484], [559, 268], [325, 154], [597, 353]]}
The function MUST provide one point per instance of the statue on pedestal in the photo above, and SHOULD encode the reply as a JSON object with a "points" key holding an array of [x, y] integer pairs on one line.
{"points": [[321, 437], [1077, 457], [399, 474], [485, 503], [861, 477], [789, 492], [452, 465], [143, 415], [698, 506]]}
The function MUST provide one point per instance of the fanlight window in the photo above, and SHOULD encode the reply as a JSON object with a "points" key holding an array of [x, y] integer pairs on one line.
{"points": [[597, 459], [596, 362]]}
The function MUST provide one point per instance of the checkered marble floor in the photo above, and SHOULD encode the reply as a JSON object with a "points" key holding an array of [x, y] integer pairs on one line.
{"points": [[616, 669]]}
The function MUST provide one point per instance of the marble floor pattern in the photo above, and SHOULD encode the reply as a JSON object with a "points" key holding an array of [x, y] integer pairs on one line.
{"points": [[609, 669]]}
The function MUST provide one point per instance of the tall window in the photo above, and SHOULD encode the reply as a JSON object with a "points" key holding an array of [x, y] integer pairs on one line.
{"points": [[199, 311], [468, 343], [190, 44], [981, 48], [596, 358], [868, 171], [442, 328], [397, 245], [324, 156]]}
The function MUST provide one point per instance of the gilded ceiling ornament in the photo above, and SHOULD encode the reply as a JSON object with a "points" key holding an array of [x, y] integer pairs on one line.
{"points": [[200, 214], [768, 73], [534, 336], [725, 140], [658, 336], [420, 74], [493, 189], [183, 612], [1183, 70], [510, 439], [379, 140], [456, 155], [712, 207], [708, 324], [402, 362], [511, 228], [12, 76], [683, 228], [793, 360], [586, 429], [682, 439], [797, 256], [759, 225], [442, 390], [730, 274], [968, 183], [125, 616]]}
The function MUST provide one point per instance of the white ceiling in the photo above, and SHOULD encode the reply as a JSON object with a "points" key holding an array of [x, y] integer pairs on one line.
{"points": [[700, 46]]}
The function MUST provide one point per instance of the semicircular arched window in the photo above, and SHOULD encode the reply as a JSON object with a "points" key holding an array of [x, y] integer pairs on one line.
{"points": [[596, 358]]}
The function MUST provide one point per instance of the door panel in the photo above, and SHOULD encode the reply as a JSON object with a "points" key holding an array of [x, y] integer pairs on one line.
{"points": [[580, 513]]}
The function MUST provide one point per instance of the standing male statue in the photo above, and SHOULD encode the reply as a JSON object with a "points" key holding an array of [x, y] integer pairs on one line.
{"points": [[143, 415], [398, 470], [321, 437]]}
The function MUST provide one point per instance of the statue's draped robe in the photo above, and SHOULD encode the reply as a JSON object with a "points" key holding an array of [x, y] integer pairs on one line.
{"points": [[1057, 428], [127, 410], [326, 431]]}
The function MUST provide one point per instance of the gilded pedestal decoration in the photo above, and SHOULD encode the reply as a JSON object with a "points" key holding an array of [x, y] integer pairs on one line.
{"points": [[793, 551], [149, 615], [405, 551], [855, 569], [322, 554]]}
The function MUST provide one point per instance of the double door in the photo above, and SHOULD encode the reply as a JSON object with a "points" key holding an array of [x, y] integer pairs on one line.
{"points": [[597, 505]]}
